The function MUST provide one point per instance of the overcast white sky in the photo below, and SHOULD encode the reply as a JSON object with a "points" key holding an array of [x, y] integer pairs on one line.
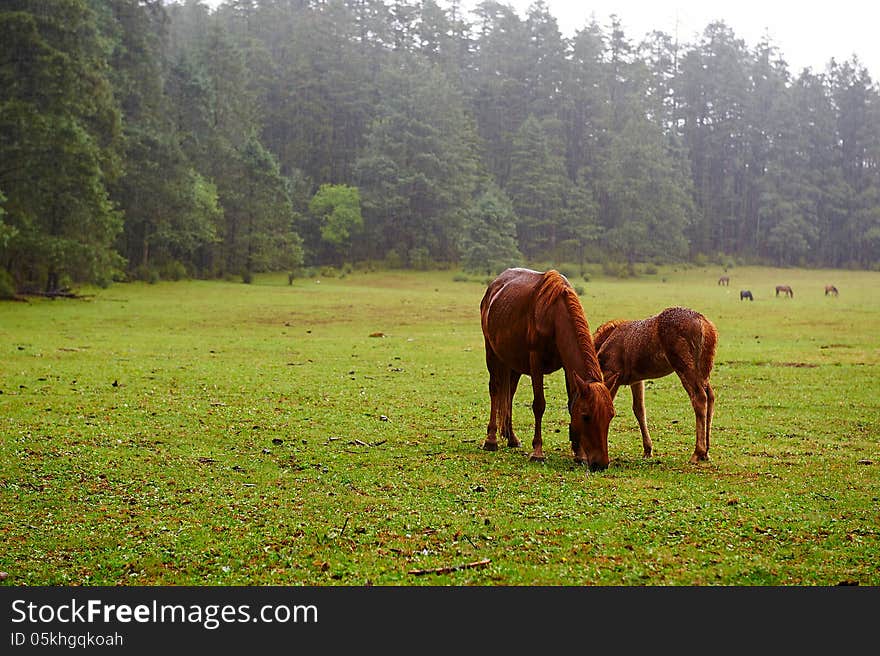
{"points": [[807, 33]]}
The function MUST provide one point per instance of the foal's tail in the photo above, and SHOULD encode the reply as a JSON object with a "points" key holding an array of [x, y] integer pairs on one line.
{"points": [[707, 353]]}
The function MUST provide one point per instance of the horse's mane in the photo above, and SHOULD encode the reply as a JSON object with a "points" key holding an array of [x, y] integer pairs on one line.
{"points": [[552, 286], [604, 331]]}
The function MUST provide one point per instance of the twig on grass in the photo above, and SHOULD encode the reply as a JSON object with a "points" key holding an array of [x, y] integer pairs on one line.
{"points": [[362, 443], [451, 568]]}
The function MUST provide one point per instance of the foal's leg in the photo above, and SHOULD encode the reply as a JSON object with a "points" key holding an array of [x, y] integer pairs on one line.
{"points": [[638, 405], [700, 402], [682, 360], [710, 412]]}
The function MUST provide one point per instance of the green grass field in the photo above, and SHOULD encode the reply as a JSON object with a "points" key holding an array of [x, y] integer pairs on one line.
{"points": [[214, 433]]}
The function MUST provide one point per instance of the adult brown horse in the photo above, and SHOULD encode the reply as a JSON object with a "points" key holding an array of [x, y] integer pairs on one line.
{"points": [[831, 289], [724, 280], [677, 339], [785, 290], [533, 324]]}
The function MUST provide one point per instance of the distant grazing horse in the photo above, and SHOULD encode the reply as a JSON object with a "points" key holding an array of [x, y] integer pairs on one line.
{"points": [[745, 294], [785, 290], [724, 280], [533, 324], [678, 339], [830, 289]]}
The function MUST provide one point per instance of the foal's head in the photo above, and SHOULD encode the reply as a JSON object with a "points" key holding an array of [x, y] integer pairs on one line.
{"points": [[591, 412]]}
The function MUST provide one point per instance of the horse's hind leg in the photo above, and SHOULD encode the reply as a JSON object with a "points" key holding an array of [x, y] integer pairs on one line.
{"points": [[498, 383], [507, 426], [491, 443], [638, 406]]}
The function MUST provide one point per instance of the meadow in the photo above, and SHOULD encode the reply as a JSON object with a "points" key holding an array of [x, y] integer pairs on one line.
{"points": [[328, 432]]}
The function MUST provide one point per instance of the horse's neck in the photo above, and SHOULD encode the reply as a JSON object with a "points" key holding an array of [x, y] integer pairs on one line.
{"points": [[574, 347]]}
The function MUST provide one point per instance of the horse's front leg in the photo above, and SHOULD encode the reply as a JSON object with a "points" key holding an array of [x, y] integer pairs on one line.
{"points": [[638, 406], [580, 456], [538, 405]]}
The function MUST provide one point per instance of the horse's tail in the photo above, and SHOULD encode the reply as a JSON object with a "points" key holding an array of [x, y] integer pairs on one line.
{"points": [[707, 353]]}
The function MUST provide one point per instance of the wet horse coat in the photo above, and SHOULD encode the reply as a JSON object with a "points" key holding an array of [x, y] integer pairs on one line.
{"points": [[677, 340], [533, 324]]}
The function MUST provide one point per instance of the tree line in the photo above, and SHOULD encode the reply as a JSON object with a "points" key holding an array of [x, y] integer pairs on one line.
{"points": [[147, 139]]}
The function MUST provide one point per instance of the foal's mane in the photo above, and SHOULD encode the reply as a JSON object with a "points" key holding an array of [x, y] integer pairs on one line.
{"points": [[604, 331], [552, 286]]}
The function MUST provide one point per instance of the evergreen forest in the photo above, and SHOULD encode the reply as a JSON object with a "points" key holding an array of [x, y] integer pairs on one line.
{"points": [[147, 140]]}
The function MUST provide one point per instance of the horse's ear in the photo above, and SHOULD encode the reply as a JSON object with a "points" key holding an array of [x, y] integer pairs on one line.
{"points": [[611, 380]]}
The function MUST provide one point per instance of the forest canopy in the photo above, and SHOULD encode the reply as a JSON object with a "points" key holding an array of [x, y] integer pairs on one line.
{"points": [[143, 139]]}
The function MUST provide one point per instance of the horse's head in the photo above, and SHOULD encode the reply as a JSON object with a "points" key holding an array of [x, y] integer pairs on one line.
{"points": [[591, 412]]}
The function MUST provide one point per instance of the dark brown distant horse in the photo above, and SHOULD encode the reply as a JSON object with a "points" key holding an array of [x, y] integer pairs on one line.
{"points": [[678, 339], [785, 290], [745, 294], [533, 324], [724, 280], [830, 289]]}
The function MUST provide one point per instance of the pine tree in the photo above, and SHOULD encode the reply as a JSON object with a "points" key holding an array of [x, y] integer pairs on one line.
{"points": [[60, 137], [537, 186], [420, 168], [489, 241]]}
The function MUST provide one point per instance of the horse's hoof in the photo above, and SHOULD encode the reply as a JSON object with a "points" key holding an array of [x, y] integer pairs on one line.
{"points": [[536, 458], [490, 446], [648, 454], [703, 458], [514, 444]]}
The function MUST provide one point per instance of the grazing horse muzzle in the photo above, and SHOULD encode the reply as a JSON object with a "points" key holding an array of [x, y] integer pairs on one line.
{"points": [[596, 458], [598, 466]]}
